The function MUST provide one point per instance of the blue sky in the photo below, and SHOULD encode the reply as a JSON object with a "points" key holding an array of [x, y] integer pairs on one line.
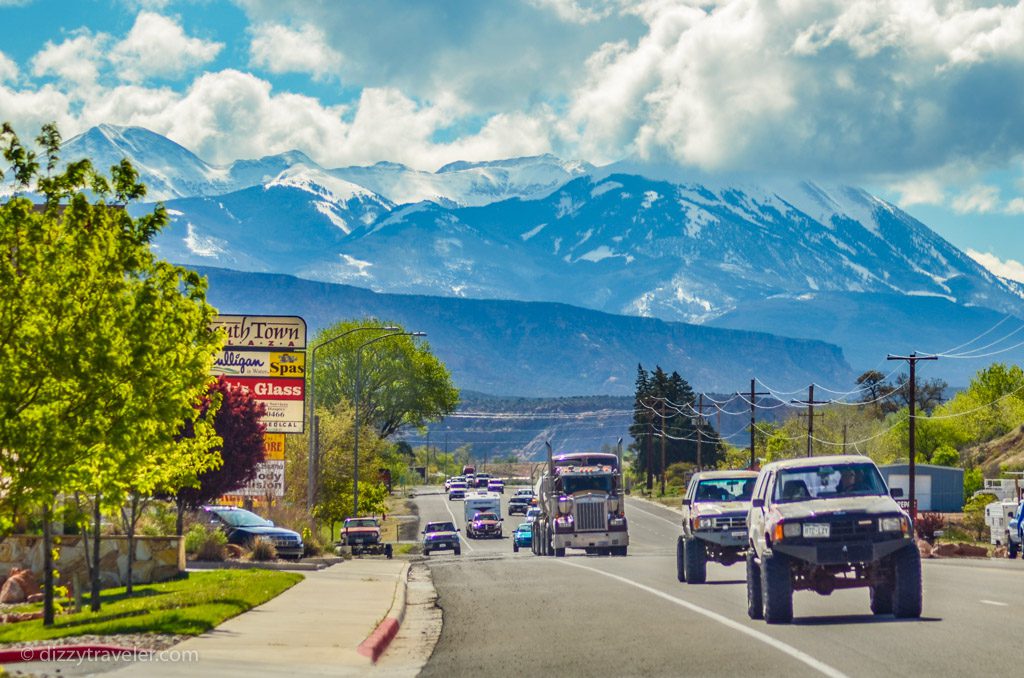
{"points": [[920, 101]]}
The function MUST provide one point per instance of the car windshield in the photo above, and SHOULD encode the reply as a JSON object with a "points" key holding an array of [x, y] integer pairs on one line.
{"points": [[525, 527], [533, 512], [725, 489], [458, 486], [485, 516], [440, 527], [828, 482], [572, 484], [242, 518], [361, 522]]}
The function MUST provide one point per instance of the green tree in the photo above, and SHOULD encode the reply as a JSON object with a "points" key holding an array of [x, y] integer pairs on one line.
{"points": [[105, 348], [401, 383], [946, 455]]}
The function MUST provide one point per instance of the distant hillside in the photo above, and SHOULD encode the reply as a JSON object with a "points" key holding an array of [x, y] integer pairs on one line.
{"points": [[1006, 451], [543, 349]]}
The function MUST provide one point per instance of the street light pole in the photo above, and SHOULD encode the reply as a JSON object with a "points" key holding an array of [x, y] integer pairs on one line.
{"points": [[313, 432], [355, 446]]}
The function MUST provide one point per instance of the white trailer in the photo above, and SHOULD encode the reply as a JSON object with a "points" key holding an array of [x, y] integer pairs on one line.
{"points": [[997, 517], [489, 502]]}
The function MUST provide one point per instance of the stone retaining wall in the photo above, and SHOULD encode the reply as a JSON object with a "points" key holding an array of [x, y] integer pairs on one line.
{"points": [[156, 559]]}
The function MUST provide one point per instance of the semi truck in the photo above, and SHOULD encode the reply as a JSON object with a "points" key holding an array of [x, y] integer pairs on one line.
{"points": [[582, 505]]}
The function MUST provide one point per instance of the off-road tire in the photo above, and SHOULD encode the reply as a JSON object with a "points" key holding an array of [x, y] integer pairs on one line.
{"points": [[881, 597], [777, 589], [1012, 548], [695, 561], [426, 552], [680, 569], [907, 586], [755, 600], [458, 551]]}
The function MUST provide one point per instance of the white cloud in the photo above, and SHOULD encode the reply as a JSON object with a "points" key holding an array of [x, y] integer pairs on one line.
{"points": [[8, 69], [75, 60], [156, 46], [979, 199], [280, 49], [579, 11], [919, 191], [1010, 268], [1015, 207]]}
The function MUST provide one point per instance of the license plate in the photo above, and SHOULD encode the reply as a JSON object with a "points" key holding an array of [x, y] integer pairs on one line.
{"points": [[816, 530], [739, 535], [442, 546]]}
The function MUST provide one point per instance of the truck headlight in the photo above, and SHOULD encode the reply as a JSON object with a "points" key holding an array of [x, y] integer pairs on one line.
{"points": [[617, 522], [703, 523], [564, 504], [892, 525]]}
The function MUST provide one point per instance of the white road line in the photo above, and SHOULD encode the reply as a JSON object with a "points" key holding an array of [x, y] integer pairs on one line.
{"points": [[462, 537], [654, 515], [994, 602], [799, 655]]}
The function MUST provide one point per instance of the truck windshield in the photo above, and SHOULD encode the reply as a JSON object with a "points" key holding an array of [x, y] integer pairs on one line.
{"points": [[598, 483], [828, 482], [440, 527], [361, 522], [725, 489], [485, 516]]}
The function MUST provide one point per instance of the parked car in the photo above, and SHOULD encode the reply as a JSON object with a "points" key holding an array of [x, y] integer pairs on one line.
{"points": [[518, 504], [532, 513], [245, 527], [523, 536], [441, 536], [496, 485], [362, 535]]}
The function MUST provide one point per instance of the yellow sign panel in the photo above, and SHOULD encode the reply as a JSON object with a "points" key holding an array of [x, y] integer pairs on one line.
{"points": [[273, 446], [288, 364]]}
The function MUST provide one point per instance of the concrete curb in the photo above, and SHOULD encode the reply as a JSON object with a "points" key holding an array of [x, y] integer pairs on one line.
{"points": [[378, 641]]}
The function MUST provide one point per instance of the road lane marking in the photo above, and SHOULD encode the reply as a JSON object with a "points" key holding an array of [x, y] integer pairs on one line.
{"points": [[994, 602], [654, 515], [799, 655], [462, 537]]}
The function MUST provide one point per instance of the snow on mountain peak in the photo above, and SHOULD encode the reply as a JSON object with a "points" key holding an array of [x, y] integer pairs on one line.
{"points": [[319, 183]]}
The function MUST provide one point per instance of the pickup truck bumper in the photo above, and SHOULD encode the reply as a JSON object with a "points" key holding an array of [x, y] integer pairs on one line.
{"points": [[724, 538], [842, 553]]}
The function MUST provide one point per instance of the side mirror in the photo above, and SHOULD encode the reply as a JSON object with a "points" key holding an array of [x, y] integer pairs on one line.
{"points": [[686, 502], [458, 529], [1011, 514], [757, 503], [896, 492]]}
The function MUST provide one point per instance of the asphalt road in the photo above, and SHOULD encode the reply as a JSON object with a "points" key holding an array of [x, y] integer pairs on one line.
{"points": [[507, 614]]}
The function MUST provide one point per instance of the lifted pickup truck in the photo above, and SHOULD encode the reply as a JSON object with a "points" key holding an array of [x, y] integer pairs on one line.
{"points": [[715, 511], [362, 535], [824, 523]]}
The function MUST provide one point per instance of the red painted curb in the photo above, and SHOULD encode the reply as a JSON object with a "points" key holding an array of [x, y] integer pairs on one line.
{"points": [[63, 652], [378, 641]]}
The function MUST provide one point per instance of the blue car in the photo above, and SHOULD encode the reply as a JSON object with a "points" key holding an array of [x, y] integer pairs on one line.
{"points": [[523, 536], [245, 527]]}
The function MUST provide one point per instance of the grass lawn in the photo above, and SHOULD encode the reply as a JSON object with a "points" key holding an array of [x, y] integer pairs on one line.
{"points": [[191, 605]]}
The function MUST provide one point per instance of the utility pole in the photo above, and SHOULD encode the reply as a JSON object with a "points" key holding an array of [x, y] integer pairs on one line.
{"points": [[700, 428], [753, 419], [912, 404], [663, 448], [446, 453], [810, 402], [648, 462], [844, 437]]}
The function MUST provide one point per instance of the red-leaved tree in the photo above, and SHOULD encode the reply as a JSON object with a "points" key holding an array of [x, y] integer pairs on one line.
{"points": [[237, 422]]}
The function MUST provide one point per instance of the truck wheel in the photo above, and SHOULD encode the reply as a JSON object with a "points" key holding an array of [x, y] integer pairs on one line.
{"points": [[881, 598], [777, 589], [388, 551], [515, 547], [755, 603], [680, 569], [695, 561], [1011, 547], [426, 552], [559, 553], [907, 591], [623, 550], [458, 551]]}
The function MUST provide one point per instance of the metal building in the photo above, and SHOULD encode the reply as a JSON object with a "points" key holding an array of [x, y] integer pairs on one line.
{"points": [[938, 488]]}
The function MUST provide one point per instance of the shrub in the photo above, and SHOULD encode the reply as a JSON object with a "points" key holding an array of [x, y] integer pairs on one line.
{"points": [[263, 550], [194, 538], [927, 524], [311, 546], [212, 547]]}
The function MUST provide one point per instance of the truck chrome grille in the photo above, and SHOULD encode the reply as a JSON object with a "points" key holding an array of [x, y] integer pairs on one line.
{"points": [[731, 523], [591, 515]]}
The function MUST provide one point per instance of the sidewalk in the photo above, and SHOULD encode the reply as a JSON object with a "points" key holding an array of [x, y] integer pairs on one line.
{"points": [[312, 629]]}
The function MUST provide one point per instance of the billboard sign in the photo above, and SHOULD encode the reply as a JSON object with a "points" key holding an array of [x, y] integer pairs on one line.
{"points": [[263, 331], [237, 363], [269, 481]]}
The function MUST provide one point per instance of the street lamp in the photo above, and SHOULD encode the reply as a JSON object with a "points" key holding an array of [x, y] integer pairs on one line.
{"points": [[313, 433], [355, 448]]}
